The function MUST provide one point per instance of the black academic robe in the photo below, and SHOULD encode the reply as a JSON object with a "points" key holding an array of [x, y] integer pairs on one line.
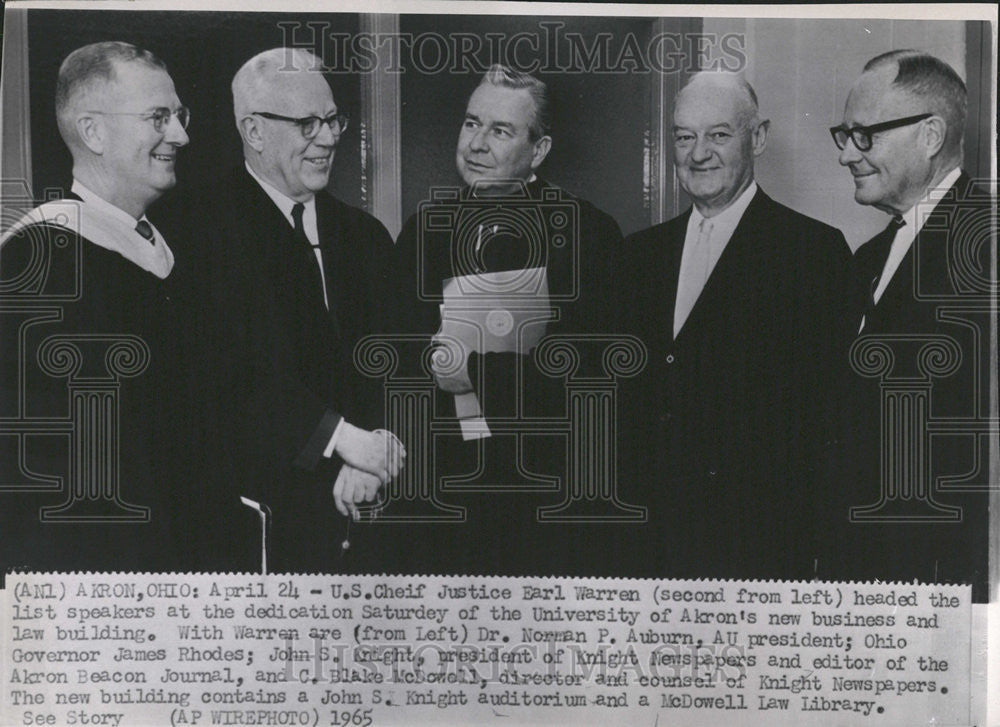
{"points": [[502, 482], [94, 297], [282, 364], [729, 420]]}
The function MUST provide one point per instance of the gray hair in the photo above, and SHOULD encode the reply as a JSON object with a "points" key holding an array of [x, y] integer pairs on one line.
{"points": [[750, 112], [251, 83], [88, 67], [934, 82]]}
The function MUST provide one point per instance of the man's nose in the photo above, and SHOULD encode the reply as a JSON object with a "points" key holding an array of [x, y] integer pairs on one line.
{"points": [[326, 136], [701, 151], [175, 132], [849, 154], [479, 141]]}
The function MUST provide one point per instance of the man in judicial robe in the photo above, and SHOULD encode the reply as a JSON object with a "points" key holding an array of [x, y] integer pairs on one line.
{"points": [[294, 279]]}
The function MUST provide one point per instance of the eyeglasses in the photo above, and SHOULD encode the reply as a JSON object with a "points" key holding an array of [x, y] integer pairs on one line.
{"points": [[862, 135], [310, 125], [160, 117]]}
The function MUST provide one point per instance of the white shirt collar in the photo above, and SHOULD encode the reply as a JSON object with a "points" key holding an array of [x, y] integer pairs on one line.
{"points": [[915, 217], [102, 205], [731, 215], [112, 228], [286, 203], [723, 224]]}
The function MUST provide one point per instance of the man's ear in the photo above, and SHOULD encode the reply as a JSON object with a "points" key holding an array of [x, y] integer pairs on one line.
{"points": [[250, 131], [933, 134], [91, 132], [541, 151], [759, 137]]}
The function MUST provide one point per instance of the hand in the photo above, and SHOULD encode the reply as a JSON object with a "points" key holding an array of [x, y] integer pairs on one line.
{"points": [[354, 486], [378, 453]]}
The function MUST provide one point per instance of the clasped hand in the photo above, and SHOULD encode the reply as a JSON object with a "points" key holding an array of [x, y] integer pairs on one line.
{"points": [[371, 460]]}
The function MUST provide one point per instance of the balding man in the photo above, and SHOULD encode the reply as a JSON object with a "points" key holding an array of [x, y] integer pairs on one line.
{"points": [[297, 283], [120, 117], [921, 280], [901, 139], [737, 300]]}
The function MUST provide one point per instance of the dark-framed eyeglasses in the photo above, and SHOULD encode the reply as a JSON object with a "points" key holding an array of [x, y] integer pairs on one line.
{"points": [[310, 125], [159, 117], [862, 135]]}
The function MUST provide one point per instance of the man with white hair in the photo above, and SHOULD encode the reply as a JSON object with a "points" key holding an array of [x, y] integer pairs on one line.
{"points": [[120, 117], [739, 300], [298, 282]]}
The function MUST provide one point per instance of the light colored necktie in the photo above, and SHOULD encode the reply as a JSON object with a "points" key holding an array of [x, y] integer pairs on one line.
{"points": [[693, 275]]}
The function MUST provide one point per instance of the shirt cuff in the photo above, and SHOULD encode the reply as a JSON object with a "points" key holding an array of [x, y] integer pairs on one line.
{"points": [[332, 444]]}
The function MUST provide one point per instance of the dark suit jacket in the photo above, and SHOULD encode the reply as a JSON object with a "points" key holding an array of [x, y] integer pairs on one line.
{"points": [[283, 362], [938, 291], [729, 417], [109, 298]]}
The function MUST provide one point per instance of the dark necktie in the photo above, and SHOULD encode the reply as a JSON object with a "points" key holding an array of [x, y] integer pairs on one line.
{"points": [[146, 230], [883, 246], [303, 243]]}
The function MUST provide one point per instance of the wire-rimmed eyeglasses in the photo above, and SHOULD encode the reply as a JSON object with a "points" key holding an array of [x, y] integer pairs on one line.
{"points": [[159, 117]]}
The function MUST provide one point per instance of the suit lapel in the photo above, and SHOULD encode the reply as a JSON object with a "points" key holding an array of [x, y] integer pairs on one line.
{"points": [[670, 277], [924, 268], [730, 269], [329, 228], [293, 269]]}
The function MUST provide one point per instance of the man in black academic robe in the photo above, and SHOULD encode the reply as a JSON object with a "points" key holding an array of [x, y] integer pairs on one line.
{"points": [[503, 491], [93, 348]]}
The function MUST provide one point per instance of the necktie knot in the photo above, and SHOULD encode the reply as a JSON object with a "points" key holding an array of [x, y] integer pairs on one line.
{"points": [[896, 222], [146, 230]]}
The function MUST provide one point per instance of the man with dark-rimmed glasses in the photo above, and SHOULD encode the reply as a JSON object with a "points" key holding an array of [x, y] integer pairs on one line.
{"points": [[297, 280], [917, 283]]}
